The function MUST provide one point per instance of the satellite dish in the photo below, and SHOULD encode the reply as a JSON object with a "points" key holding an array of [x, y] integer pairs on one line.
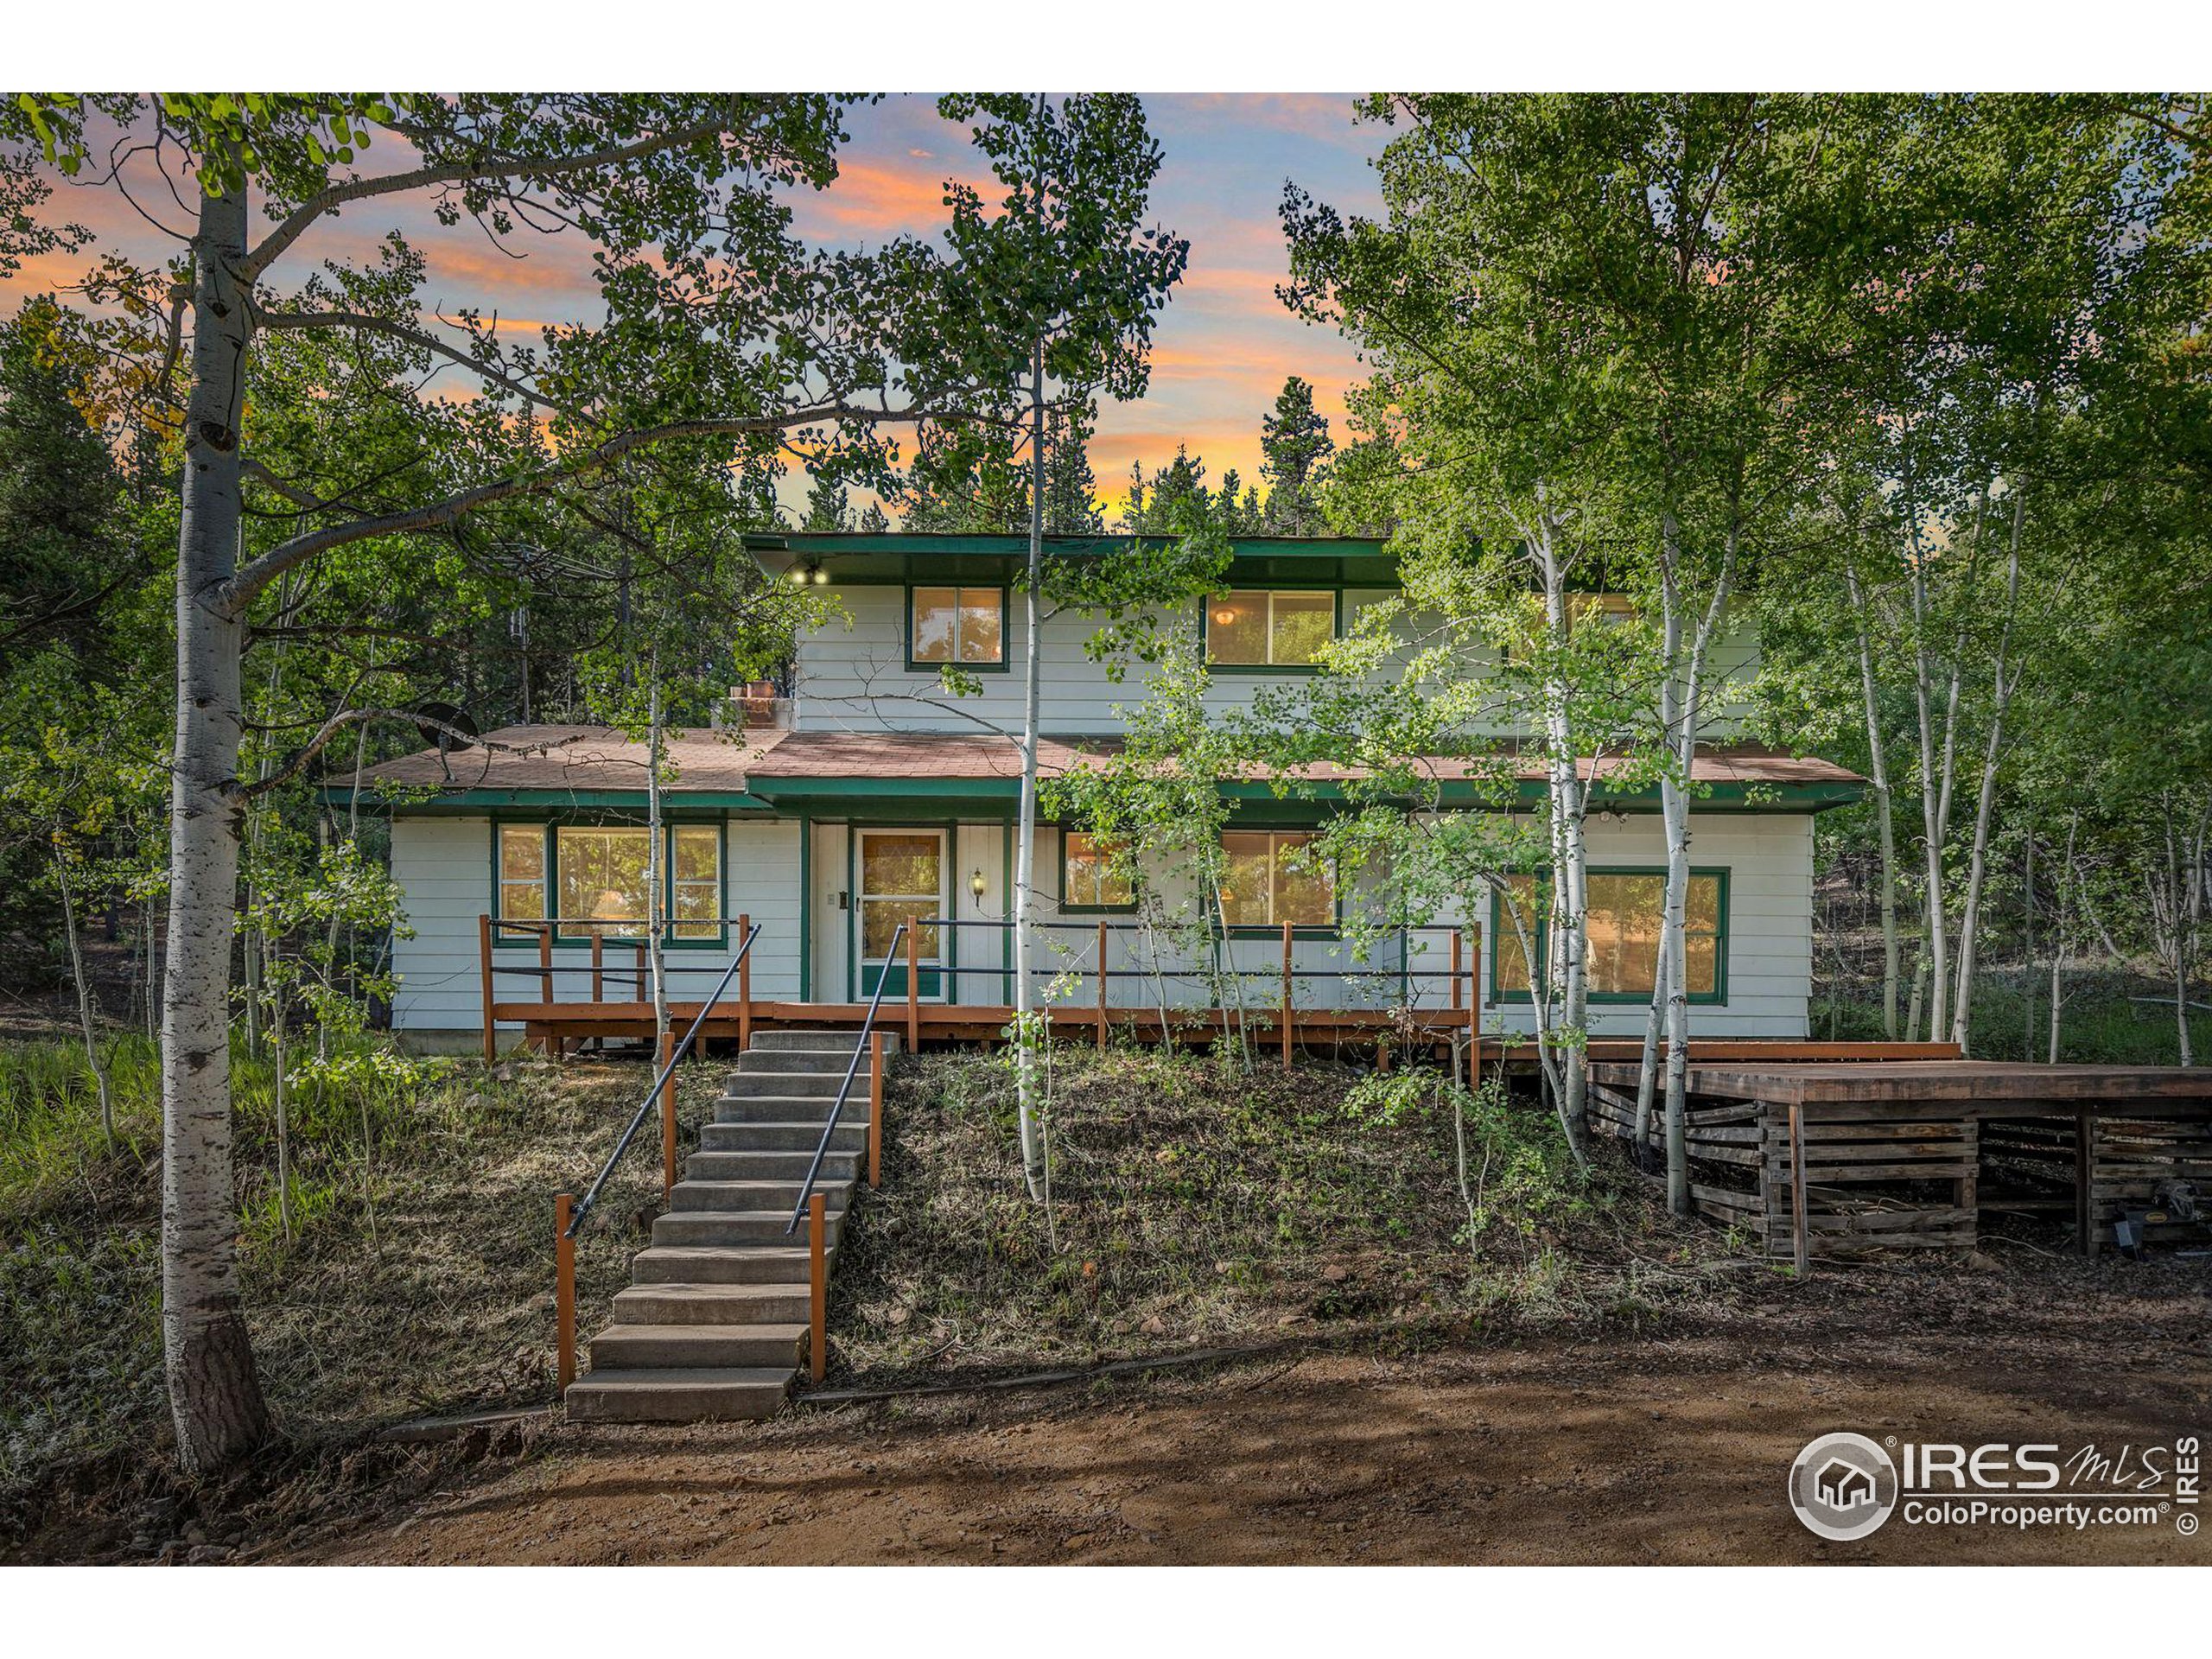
{"points": [[439, 722]]}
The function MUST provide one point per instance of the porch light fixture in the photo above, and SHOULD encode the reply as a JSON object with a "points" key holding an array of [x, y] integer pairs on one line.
{"points": [[977, 885], [810, 571]]}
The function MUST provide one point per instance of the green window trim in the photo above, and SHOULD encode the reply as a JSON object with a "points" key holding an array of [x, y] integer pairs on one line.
{"points": [[1067, 908], [919, 666], [1206, 626], [505, 939], [1498, 943]]}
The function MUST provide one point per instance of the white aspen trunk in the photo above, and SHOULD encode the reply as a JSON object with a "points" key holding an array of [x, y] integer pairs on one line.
{"points": [[1978, 861], [1025, 861], [214, 1394], [1936, 952], [1675, 811], [655, 854], [84, 1016], [1569, 845], [278, 1057], [1647, 1077], [1878, 752]]}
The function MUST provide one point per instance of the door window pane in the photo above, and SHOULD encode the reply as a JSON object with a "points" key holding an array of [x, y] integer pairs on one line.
{"points": [[901, 880]]}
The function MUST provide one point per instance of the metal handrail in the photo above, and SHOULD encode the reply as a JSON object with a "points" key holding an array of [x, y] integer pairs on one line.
{"points": [[591, 1194], [1403, 970], [852, 1068]]}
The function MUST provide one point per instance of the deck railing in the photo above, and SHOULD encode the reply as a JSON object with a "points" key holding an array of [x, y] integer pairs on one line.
{"points": [[569, 1215], [548, 931]]}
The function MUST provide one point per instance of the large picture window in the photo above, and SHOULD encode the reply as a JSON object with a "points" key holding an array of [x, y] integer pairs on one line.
{"points": [[596, 874], [1087, 878], [1262, 627], [962, 626], [1624, 914], [1267, 880]]}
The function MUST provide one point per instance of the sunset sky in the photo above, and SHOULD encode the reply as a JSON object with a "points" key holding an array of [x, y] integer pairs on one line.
{"points": [[1222, 348]]}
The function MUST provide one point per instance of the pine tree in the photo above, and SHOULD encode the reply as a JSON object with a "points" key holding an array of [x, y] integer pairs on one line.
{"points": [[1294, 441], [872, 521], [829, 508]]}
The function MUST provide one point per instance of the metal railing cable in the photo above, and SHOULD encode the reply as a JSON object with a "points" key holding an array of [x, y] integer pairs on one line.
{"points": [[675, 1055], [852, 1068]]}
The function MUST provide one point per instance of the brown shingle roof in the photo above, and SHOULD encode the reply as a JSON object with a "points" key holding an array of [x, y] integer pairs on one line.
{"points": [[589, 758], [582, 757]]}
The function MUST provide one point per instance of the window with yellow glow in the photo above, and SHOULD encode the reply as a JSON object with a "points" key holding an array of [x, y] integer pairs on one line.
{"points": [[1259, 628], [962, 625], [1625, 909], [1266, 880], [1089, 880]]}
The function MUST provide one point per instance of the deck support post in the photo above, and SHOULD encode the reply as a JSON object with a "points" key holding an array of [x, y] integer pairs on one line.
{"points": [[818, 1332], [2085, 1152], [1800, 1246], [667, 1118], [914, 990], [484, 956], [743, 985], [564, 1293], [1285, 995], [876, 1110], [1101, 985]]}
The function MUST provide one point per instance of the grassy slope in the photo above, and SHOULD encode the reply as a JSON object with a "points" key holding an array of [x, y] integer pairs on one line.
{"points": [[1193, 1205], [441, 1300]]}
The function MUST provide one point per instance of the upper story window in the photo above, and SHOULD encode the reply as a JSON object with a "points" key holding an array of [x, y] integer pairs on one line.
{"points": [[1625, 908], [599, 876], [962, 626], [1270, 627], [1266, 880], [1089, 880]]}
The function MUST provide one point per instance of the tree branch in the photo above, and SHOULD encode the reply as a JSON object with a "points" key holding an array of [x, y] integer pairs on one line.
{"points": [[301, 322], [296, 224]]}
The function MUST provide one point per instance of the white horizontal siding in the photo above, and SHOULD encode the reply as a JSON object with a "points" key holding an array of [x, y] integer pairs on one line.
{"points": [[852, 674], [443, 866]]}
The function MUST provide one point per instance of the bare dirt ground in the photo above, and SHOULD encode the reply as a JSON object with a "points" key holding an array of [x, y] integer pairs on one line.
{"points": [[1669, 1446]]}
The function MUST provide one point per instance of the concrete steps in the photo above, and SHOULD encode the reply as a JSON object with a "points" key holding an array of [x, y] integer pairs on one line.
{"points": [[713, 1324]]}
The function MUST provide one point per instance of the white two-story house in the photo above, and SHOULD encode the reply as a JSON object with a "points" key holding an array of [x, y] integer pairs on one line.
{"points": [[864, 796]]}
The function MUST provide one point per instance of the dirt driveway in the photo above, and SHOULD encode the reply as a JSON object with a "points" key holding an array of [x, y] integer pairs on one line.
{"points": [[1670, 1446]]}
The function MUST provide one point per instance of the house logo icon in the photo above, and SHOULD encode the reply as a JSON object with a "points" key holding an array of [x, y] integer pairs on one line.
{"points": [[1843, 1486]]}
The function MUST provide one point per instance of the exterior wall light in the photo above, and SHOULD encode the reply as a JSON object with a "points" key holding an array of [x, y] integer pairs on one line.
{"points": [[979, 886]]}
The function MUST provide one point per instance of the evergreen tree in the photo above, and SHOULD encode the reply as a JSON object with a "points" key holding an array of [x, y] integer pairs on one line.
{"points": [[829, 508], [872, 521], [1294, 441]]}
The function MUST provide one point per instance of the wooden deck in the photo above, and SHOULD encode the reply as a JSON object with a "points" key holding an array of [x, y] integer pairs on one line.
{"points": [[572, 1022], [1832, 1159]]}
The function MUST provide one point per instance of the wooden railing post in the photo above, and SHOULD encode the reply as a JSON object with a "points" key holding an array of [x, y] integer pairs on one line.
{"points": [[1102, 984], [876, 1110], [817, 1334], [667, 1119], [598, 966], [553, 1043], [484, 952], [743, 985], [564, 1291], [1286, 996], [1457, 947], [1474, 1009], [913, 989]]}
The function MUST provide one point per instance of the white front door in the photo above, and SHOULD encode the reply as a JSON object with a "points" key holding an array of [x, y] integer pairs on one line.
{"points": [[901, 877]]}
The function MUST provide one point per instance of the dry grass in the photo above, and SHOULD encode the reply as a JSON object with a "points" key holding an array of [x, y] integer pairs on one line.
{"points": [[1197, 1204]]}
